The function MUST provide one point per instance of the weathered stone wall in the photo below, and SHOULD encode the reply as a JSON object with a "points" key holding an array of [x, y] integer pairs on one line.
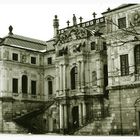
{"points": [[6, 123], [122, 107]]}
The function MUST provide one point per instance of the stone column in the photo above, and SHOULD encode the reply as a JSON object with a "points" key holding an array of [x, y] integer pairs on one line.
{"points": [[80, 115], [4, 83], [131, 61], [64, 77], [61, 116], [79, 75], [57, 78], [110, 64], [29, 86], [65, 117], [50, 124], [99, 70], [82, 74], [84, 111], [62, 86], [60, 79]]}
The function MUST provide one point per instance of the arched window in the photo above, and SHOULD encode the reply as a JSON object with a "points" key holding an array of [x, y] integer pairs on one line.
{"points": [[50, 86], [24, 84], [73, 77]]}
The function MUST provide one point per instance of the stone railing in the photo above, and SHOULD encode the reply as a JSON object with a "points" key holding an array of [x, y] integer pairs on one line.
{"points": [[85, 24], [26, 96]]}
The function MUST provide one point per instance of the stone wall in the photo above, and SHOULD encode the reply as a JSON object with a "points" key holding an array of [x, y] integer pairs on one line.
{"points": [[10, 109], [122, 107]]}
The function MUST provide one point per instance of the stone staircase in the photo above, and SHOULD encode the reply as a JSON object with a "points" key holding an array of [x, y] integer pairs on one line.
{"points": [[97, 127], [32, 112], [24, 117], [13, 128]]}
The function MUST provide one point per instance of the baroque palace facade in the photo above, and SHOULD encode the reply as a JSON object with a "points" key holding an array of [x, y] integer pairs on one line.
{"points": [[84, 81]]}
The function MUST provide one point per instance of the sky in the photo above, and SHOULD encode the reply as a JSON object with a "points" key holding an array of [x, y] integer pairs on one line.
{"points": [[34, 18]]}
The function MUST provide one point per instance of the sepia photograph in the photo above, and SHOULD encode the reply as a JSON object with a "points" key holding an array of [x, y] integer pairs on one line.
{"points": [[70, 68]]}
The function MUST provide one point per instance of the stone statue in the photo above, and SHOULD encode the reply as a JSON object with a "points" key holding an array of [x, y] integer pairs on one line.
{"points": [[74, 20], [10, 29]]}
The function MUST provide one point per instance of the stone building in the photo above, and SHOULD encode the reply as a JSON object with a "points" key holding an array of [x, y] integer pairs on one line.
{"points": [[80, 59], [123, 39], [85, 80]]}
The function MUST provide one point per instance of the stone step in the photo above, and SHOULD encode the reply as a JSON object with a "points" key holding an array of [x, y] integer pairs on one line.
{"points": [[97, 127]]}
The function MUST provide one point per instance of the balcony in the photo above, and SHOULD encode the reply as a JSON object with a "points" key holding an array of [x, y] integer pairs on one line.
{"points": [[88, 91]]}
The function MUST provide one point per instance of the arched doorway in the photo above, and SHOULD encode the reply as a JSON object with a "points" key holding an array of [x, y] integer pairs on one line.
{"points": [[73, 77], [75, 116], [24, 84]]}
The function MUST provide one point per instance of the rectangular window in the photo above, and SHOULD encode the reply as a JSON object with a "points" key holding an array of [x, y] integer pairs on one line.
{"points": [[50, 87], [15, 56], [104, 46], [137, 59], [122, 23], [92, 45], [49, 60], [105, 75], [33, 87], [15, 85], [33, 60], [124, 65], [61, 53]]}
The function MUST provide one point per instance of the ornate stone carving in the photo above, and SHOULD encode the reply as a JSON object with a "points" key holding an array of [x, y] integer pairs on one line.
{"points": [[72, 34], [23, 58], [136, 19], [49, 77]]}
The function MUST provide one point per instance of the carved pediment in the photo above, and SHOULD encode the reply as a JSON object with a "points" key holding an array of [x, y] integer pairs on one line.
{"points": [[72, 34], [49, 77]]}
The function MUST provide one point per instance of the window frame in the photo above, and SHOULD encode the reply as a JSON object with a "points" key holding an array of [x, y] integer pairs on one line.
{"points": [[124, 64], [137, 58], [24, 84], [121, 22], [74, 76], [104, 46], [92, 45], [15, 56], [33, 87], [15, 86], [49, 60], [33, 60], [50, 87]]}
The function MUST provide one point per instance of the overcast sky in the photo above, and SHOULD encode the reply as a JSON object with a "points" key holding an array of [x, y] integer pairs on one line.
{"points": [[33, 18]]}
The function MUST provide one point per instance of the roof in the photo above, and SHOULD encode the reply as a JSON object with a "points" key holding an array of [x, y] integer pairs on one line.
{"points": [[18, 41], [119, 7], [50, 44]]}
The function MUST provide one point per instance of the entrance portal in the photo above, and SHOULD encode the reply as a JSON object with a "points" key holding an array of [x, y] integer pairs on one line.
{"points": [[75, 116]]}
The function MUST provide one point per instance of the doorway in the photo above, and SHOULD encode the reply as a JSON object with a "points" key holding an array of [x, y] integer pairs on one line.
{"points": [[75, 116]]}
